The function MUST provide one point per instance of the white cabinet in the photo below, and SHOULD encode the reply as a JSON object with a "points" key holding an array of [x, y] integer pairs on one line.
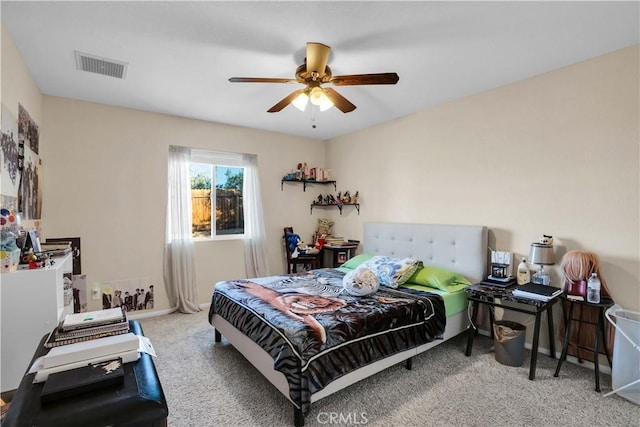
{"points": [[32, 303]]}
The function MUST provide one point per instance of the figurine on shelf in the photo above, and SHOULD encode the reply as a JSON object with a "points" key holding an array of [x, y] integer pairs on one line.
{"points": [[339, 198], [355, 197], [299, 172], [346, 198], [318, 201], [332, 200]]}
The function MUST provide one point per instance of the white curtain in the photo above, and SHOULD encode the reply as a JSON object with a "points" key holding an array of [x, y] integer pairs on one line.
{"points": [[179, 270], [255, 241]]}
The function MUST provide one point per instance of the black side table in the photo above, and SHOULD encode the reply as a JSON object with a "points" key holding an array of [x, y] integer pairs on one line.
{"points": [[484, 294], [602, 306]]}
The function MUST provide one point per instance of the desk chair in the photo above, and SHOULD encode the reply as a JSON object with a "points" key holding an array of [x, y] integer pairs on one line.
{"points": [[309, 262]]}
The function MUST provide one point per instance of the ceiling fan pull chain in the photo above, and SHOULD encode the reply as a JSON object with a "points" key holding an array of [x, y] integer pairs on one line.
{"points": [[313, 117]]}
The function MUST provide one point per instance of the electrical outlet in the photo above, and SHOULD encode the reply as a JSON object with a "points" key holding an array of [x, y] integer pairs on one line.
{"points": [[95, 293]]}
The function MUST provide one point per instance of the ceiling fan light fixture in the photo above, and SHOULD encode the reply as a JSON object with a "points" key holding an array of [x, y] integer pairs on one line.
{"points": [[301, 101], [325, 103], [319, 98], [313, 74]]}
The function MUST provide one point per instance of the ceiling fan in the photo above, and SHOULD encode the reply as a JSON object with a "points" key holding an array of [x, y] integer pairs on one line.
{"points": [[313, 74]]}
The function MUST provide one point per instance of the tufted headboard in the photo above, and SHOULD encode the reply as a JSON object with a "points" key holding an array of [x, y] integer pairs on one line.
{"points": [[461, 248]]}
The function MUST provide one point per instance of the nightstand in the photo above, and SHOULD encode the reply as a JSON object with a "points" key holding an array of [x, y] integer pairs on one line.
{"points": [[603, 305], [335, 256], [493, 296]]}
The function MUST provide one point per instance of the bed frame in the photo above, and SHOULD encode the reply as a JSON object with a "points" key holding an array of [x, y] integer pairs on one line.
{"points": [[461, 248]]}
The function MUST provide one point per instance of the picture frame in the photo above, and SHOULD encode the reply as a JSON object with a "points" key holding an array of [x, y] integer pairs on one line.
{"points": [[342, 257], [33, 241]]}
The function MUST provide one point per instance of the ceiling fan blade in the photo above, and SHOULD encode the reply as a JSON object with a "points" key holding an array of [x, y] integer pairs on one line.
{"points": [[285, 101], [366, 79], [317, 57], [260, 80], [339, 101]]}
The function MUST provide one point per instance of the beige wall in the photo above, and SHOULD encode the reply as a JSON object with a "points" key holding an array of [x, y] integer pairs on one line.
{"points": [[555, 154], [106, 175]]}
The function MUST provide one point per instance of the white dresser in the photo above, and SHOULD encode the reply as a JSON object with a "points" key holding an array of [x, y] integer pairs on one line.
{"points": [[32, 303]]}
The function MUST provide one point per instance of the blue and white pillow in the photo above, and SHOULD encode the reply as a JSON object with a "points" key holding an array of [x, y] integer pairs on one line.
{"points": [[392, 271]]}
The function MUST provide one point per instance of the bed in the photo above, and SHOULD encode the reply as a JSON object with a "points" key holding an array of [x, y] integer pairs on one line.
{"points": [[308, 355]]}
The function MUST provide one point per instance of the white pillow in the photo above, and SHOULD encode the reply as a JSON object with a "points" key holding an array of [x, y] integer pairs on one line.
{"points": [[360, 282]]}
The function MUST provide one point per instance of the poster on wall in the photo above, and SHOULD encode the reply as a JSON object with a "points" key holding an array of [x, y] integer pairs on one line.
{"points": [[9, 162], [30, 187], [132, 294]]}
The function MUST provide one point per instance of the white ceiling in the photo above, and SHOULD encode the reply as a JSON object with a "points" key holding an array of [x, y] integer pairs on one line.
{"points": [[181, 54]]}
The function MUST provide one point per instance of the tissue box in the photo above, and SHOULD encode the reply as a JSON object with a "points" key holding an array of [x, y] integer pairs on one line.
{"points": [[10, 260]]}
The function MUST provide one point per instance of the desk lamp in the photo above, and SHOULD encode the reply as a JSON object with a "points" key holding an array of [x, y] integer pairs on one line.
{"points": [[542, 255]]}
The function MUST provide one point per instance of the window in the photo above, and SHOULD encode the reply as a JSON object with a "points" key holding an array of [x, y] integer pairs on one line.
{"points": [[219, 213]]}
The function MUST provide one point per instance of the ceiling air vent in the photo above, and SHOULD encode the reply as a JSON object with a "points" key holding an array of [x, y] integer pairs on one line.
{"points": [[99, 65]]}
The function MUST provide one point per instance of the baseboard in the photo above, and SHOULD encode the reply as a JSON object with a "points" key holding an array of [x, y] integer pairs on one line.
{"points": [[154, 313], [151, 313], [604, 369]]}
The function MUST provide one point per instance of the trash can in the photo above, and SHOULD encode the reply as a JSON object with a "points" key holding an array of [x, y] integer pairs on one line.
{"points": [[509, 342], [625, 374]]}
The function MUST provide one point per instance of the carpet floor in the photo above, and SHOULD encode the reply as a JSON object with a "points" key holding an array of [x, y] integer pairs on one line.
{"points": [[209, 384]]}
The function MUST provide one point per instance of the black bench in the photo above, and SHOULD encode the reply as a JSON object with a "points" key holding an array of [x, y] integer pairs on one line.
{"points": [[139, 401]]}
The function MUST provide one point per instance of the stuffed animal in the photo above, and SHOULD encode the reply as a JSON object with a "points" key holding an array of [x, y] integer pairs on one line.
{"points": [[360, 282], [298, 247], [324, 227]]}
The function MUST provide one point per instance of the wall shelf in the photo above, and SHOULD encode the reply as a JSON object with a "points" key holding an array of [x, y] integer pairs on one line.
{"points": [[339, 206], [305, 182]]}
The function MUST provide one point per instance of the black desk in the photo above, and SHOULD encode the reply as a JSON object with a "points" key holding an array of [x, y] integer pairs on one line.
{"points": [[482, 294], [139, 401], [335, 256], [604, 304]]}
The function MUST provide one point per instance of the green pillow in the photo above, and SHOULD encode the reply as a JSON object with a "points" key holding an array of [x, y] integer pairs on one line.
{"points": [[439, 278], [356, 261]]}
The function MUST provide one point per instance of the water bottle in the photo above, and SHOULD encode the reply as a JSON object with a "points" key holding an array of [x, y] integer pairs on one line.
{"points": [[593, 289], [523, 276]]}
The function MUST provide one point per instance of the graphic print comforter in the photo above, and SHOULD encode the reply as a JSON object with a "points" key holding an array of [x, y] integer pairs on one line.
{"points": [[316, 333]]}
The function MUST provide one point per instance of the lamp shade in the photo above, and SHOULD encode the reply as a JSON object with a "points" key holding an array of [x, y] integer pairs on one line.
{"points": [[301, 101], [541, 254]]}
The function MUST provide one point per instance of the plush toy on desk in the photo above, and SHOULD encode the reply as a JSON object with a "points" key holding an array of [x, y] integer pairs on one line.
{"points": [[324, 227], [298, 247]]}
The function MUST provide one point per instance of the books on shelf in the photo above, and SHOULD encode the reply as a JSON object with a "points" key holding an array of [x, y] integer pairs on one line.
{"points": [[93, 318], [537, 291], [337, 242]]}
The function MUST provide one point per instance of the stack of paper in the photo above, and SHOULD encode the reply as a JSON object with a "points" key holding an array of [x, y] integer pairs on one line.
{"points": [[87, 326], [72, 356], [93, 318]]}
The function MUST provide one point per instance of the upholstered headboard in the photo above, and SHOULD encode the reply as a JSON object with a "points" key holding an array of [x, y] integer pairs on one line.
{"points": [[461, 248]]}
